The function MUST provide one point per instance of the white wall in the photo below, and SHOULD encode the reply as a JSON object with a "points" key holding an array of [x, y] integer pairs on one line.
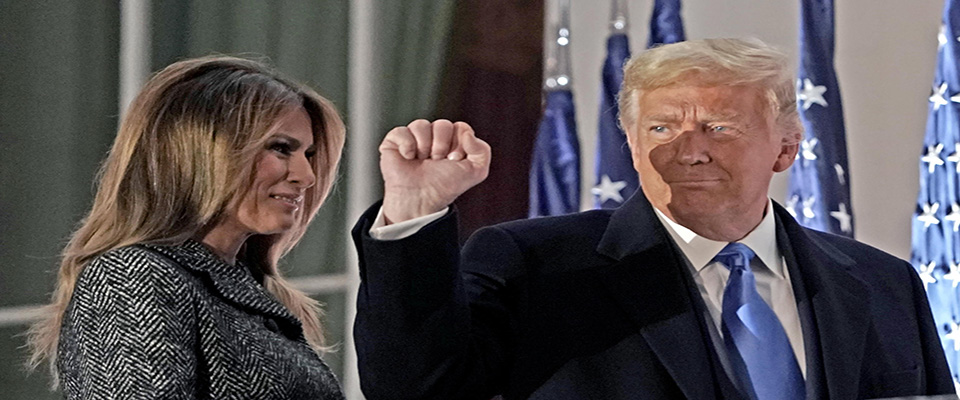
{"points": [[885, 58]]}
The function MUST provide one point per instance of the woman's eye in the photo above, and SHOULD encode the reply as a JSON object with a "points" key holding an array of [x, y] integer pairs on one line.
{"points": [[280, 147]]}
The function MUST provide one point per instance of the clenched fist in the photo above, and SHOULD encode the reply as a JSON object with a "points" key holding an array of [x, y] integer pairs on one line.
{"points": [[426, 166]]}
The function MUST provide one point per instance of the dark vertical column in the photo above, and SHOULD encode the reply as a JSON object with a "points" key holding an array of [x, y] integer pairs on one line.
{"points": [[492, 81]]}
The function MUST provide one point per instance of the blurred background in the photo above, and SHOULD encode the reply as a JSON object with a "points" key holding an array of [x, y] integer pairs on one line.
{"points": [[67, 69]]}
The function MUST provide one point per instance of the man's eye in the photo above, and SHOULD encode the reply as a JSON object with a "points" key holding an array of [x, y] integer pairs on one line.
{"points": [[658, 129], [719, 129]]}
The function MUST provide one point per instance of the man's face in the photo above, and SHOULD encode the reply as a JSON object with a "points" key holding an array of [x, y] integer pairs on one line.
{"points": [[707, 154]]}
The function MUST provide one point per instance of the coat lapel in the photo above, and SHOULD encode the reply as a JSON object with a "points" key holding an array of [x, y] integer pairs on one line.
{"points": [[648, 283], [840, 305], [233, 283]]}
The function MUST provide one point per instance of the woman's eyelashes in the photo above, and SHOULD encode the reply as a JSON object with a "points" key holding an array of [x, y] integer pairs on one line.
{"points": [[282, 147], [287, 148]]}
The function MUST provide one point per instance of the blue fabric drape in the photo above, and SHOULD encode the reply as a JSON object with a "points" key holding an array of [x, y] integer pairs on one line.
{"points": [[936, 218]]}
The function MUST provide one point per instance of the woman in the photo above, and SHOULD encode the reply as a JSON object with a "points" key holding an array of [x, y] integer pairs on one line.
{"points": [[170, 287]]}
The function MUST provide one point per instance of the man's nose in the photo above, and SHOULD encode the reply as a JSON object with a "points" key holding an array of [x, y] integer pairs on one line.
{"points": [[693, 146]]}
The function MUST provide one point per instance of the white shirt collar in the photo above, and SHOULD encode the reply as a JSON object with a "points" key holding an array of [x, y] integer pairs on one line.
{"points": [[700, 250]]}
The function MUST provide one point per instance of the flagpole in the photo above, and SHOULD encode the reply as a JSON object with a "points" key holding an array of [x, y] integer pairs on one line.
{"points": [[619, 17], [615, 178], [555, 166], [557, 68]]}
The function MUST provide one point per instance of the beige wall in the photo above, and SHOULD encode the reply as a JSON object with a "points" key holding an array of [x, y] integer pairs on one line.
{"points": [[885, 58]]}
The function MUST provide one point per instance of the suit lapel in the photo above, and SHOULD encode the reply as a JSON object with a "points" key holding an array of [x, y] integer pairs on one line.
{"points": [[840, 306], [648, 283]]}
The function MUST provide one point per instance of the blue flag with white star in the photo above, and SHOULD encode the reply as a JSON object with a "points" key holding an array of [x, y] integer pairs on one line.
{"points": [[819, 191], [555, 172], [616, 177], [936, 220]]}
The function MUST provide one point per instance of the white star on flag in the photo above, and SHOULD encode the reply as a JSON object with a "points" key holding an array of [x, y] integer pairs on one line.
{"points": [[955, 98], [807, 147], [808, 207], [955, 157], [937, 97], [609, 190], [953, 275], [843, 217], [791, 205], [927, 217], [954, 335], [811, 94], [839, 169], [926, 274], [932, 158], [954, 216], [942, 40]]}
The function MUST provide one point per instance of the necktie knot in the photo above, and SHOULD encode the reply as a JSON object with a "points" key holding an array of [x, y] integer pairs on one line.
{"points": [[735, 256]]}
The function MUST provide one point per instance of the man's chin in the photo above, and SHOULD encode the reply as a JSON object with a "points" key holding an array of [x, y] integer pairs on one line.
{"points": [[697, 209]]}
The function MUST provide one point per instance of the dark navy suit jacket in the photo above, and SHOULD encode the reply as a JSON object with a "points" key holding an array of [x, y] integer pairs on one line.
{"points": [[600, 305]]}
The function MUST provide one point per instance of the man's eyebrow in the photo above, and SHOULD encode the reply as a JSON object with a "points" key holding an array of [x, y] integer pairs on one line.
{"points": [[662, 117], [722, 116]]}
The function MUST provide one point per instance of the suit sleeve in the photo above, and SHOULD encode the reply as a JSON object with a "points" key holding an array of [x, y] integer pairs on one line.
{"points": [[938, 378], [129, 331], [430, 324]]}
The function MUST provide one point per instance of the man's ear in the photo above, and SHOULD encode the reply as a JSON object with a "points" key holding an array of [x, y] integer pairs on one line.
{"points": [[788, 152]]}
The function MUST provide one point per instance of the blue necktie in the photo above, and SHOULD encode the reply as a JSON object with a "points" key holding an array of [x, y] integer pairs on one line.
{"points": [[757, 346]]}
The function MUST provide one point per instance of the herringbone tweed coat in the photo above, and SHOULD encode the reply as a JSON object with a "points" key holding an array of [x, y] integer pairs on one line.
{"points": [[176, 322]]}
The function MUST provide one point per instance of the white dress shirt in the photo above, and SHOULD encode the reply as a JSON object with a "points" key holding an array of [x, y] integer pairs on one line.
{"points": [[769, 268], [381, 231]]}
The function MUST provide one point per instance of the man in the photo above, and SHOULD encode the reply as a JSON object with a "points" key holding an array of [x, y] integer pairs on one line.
{"points": [[699, 287]]}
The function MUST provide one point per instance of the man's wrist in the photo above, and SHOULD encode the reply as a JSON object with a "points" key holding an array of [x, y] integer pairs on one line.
{"points": [[399, 208], [380, 231]]}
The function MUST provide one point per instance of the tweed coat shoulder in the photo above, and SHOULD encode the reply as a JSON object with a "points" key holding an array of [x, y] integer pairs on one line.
{"points": [[176, 322]]}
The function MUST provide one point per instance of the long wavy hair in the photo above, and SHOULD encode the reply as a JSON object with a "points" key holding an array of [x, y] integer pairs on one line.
{"points": [[185, 149]]}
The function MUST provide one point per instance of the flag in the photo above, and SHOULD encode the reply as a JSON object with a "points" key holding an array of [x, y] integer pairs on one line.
{"points": [[665, 23], [616, 179], [819, 191], [936, 219], [555, 171]]}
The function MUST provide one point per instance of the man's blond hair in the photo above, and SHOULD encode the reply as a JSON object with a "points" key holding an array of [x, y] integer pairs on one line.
{"points": [[714, 62]]}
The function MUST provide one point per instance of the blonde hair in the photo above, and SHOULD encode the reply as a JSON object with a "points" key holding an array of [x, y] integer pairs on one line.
{"points": [[714, 62], [184, 151]]}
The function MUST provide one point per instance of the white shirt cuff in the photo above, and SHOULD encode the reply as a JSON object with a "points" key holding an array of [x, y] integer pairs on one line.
{"points": [[381, 231]]}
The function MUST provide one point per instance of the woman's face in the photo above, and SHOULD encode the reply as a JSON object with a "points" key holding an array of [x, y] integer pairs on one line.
{"points": [[281, 174]]}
